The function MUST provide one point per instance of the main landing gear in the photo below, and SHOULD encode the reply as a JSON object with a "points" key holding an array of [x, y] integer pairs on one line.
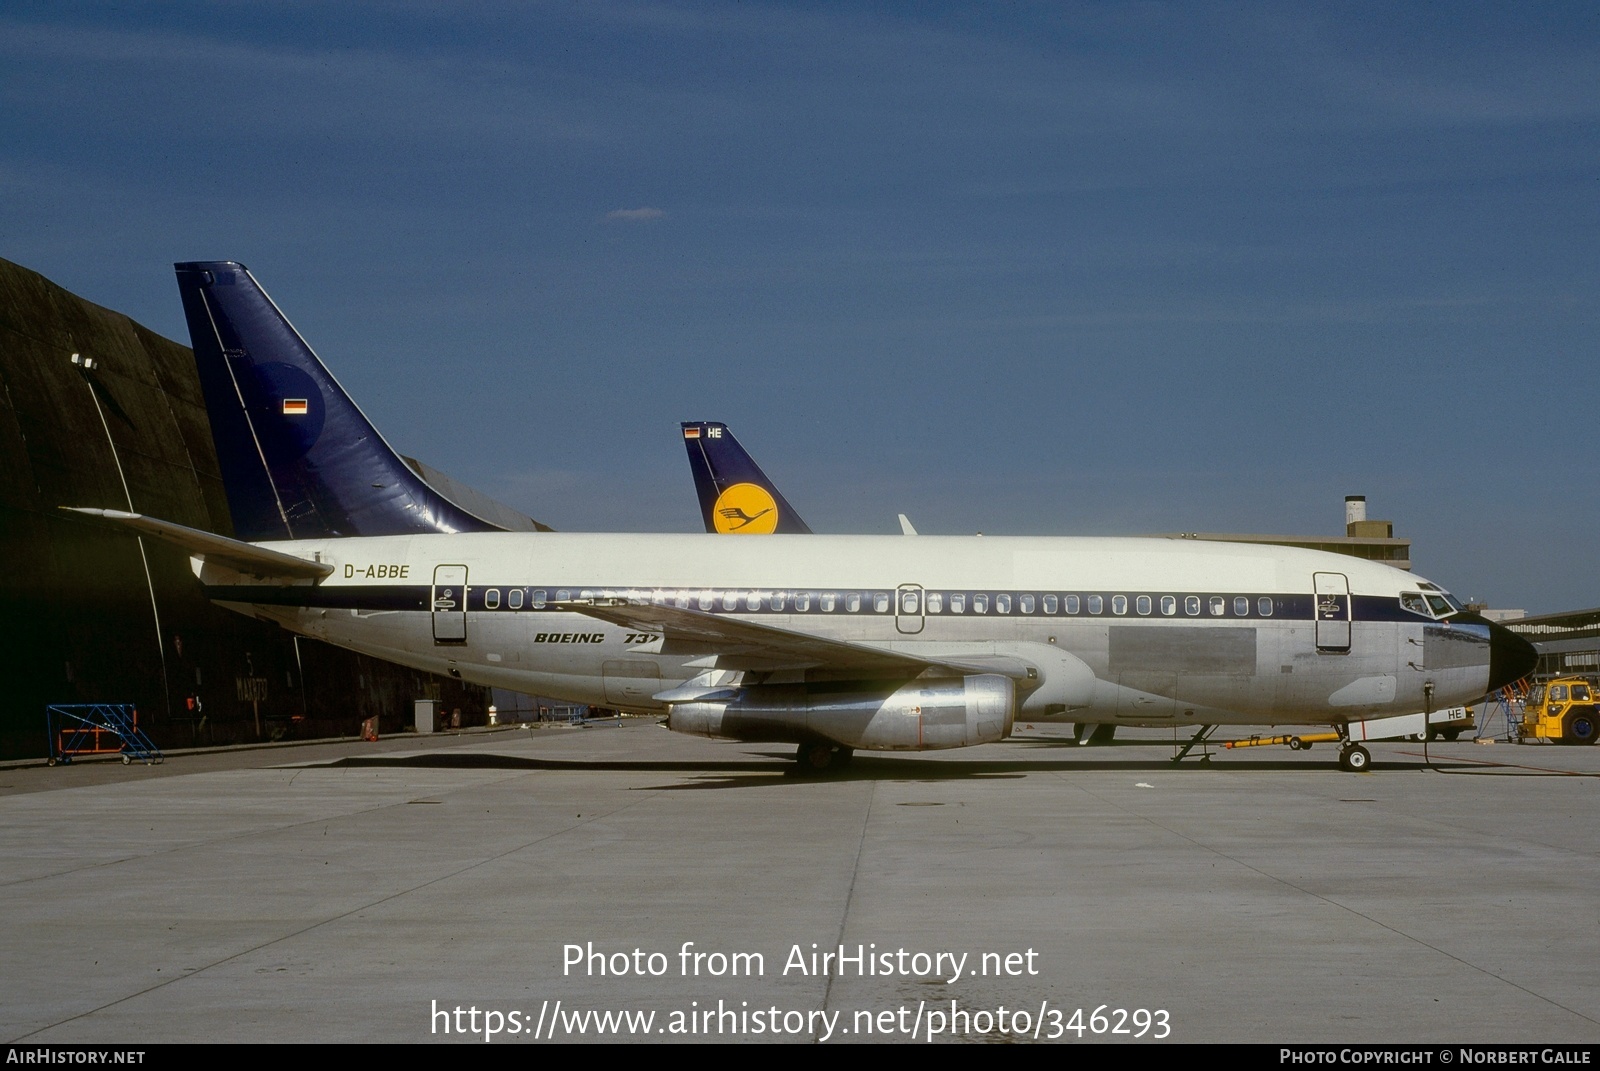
{"points": [[815, 756]]}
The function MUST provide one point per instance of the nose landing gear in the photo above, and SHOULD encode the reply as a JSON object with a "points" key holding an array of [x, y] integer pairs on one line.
{"points": [[1354, 758]]}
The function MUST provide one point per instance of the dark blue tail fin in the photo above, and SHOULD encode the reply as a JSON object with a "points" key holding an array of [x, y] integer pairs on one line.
{"points": [[735, 495], [299, 459]]}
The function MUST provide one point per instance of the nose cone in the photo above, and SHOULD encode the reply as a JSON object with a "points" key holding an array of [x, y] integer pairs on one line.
{"points": [[1511, 657]]}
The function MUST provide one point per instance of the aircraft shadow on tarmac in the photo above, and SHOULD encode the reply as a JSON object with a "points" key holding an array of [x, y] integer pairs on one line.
{"points": [[777, 766]]}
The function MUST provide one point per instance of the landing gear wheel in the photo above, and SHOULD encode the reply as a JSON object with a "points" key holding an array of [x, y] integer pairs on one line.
{"points": [[814, 757], [1355, 758]]}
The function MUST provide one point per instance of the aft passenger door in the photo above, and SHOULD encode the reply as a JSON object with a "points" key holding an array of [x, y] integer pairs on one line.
{"points": [[450, 604], [1332, 591]]}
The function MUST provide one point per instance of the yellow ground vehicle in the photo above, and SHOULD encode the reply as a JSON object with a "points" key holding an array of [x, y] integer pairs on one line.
{"points": [[1563, 710]]}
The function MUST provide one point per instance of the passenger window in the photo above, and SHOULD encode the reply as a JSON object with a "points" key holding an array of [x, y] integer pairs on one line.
{"points": [[1219, 606], [852, 601], [958, 604], [1049, 604], [1096, 604], [1241, 606], [562, 595], [514, 598], [980, 604], [681, 600], [1002, 604], [1191, 605], [538, 599], [730, 600], [829, 599], [1264, 606], [707, 600], [1142, 604], [935, 602], [778, 599], [1119, 604], [491, 599], [752, 601], [880, 602], [1072, 604], [1025, 604], [908, 602], [1169, 605], [802, 602]]}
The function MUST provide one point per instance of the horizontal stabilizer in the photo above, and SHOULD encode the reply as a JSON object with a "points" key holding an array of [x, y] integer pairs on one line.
{"points": [[216, 549]]}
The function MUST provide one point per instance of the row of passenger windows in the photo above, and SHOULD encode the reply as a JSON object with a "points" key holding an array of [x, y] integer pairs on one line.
{"points": [[911, 602]]}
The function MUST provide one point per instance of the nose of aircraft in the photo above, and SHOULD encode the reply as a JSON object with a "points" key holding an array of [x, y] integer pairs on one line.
{"points": [[1511, 657]]}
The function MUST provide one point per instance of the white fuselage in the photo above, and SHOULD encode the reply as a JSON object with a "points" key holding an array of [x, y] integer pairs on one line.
{"points": [[1171, 631]]}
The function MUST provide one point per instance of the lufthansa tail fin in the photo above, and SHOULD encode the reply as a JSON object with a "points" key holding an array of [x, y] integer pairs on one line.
{"points": [[735, 495], [299, 459]]}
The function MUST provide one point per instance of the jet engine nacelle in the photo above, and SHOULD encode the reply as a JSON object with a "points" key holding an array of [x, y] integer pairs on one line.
{"points": [[917, 715]]}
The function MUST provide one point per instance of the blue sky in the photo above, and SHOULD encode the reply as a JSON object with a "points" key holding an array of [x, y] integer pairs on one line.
{"points": [[1033, 268]]}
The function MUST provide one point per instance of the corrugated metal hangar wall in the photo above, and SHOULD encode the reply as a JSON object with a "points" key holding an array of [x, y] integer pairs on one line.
{"points": [[81, 612]]}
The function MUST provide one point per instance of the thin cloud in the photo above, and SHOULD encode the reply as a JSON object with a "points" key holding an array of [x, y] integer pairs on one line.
{"points": [[635, 215]]}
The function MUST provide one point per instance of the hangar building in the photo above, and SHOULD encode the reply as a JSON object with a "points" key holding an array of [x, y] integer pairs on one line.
{"points": [[93, 616]]}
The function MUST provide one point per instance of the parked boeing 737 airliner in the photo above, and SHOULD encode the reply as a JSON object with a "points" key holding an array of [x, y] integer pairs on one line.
{"points": [[829, 642]]}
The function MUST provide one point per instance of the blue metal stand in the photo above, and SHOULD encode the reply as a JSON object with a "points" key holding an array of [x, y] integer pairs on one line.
{"points": [[97, 729]]}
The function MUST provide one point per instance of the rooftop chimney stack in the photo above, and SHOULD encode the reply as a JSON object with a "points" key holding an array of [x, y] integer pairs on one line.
{"points": [[1356, 523]]}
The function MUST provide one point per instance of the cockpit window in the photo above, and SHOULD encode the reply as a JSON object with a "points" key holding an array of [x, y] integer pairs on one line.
{"points": [[1439, 605], [1454, 604], [1410, 600]]}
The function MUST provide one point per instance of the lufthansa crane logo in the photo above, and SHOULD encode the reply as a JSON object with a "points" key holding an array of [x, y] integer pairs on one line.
{"points": [[745, 509]]}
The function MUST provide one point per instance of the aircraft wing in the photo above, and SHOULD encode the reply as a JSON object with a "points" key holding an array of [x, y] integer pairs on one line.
{"points": [[743, 645], [208, 546]]}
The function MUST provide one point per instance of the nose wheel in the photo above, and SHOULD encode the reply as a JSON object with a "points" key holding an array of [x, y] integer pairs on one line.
{"points": [[1354, 758]]}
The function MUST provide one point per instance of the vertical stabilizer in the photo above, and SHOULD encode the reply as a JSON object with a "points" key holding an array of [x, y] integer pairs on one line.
{"points": [[299, 459], [736, 498]]}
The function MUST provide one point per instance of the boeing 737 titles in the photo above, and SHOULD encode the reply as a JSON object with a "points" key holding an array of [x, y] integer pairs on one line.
{"points": [[832, 643]]}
